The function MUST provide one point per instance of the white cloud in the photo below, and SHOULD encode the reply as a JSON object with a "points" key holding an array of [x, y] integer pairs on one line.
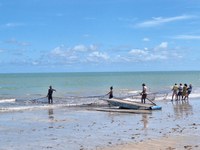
{"points": [[120, 58], [80, 48], [97, 57], [78, 54], [59, 52], [157, 53], [93, 47], [156, 21], [154, 56], [187, 37], [163, 45], [83, 48], [62, 51], [9, 25], [138, 52], [15, 42], [91, 54], [73, 57], [35, 63], [146, 39]]}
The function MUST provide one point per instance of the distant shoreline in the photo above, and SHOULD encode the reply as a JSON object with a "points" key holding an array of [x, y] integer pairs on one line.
{"points": [[155, 71]]}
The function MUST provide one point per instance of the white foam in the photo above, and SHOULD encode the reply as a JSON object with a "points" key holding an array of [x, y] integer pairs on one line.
{"points": [[169, 96], [7, 100], [134, 100], [134, 92], [46, 106]]}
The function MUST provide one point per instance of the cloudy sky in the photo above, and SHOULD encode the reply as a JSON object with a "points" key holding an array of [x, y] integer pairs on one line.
{"points": [[99, 35]]}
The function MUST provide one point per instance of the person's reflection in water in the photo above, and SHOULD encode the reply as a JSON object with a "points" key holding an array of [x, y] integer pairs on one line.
{"points": [[145, 120], [182, 109], [51, 117], [51, 114]]}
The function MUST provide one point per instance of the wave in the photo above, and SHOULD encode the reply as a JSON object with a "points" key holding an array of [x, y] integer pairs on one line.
{"points": [[33, 102], [7, 100], [46, 106], [22, 108], [26, 105], [163, 95]]}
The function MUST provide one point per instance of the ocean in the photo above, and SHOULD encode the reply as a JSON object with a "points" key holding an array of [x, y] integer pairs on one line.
{"points": [[29, 90]]}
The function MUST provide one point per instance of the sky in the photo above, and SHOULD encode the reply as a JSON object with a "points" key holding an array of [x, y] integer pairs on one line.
{"points": [[99, 35]]}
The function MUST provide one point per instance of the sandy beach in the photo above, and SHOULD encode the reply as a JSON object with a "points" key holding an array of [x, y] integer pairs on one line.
{"points": [[176, 126], [175, 142]]}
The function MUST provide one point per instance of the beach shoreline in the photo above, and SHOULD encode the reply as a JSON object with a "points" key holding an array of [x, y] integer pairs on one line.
{"points": [[77, 128]]}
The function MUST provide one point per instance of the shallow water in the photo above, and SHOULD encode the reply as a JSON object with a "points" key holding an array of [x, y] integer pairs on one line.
{"points": [[76, 128], [29, 90]]}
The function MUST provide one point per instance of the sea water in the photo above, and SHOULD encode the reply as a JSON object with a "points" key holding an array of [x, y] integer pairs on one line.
{"points": [[27, 90]]}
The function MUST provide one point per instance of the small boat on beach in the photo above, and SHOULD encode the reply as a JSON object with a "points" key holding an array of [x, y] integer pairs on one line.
{"points": [[134, 111], [132, 105]]}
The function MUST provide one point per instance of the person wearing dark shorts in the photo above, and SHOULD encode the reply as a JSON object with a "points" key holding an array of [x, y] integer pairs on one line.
{"points": [[180, 91], [110, 93], [189, 90], [144, 93], [49, 95]]}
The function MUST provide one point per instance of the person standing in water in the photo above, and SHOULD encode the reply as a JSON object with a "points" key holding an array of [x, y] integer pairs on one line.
{"points": [[189, 90], [180, 91], [110, 93], [49, 95], [184, 94], [143, 93], [175, 92]]}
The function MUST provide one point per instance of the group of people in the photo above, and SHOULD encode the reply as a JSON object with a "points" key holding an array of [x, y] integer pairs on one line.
{"points": [[181, 92]]}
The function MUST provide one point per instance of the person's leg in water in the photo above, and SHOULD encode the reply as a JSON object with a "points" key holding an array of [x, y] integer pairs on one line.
{"points": [[49, 100], [144, 98]]}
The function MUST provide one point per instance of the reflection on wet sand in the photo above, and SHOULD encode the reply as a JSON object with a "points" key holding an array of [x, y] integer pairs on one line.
{"points": [[51, 117], [182, 108], [50, 112], [145, 120]]}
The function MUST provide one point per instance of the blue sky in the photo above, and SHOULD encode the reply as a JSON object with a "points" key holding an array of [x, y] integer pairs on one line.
{"points": [[99, 35]]}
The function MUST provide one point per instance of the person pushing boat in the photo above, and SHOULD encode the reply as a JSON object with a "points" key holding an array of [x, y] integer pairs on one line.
{"points": [[175, 92], [110, 93], [189, 90], [180, 91], [50, 95], [143, 93], [184, 94]]}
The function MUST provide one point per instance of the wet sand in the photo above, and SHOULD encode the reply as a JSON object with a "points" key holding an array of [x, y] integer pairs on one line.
{"points": [[176, 126], [176, 142]]}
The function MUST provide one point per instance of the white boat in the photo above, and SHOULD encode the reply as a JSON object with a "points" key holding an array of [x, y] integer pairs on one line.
{"points": [[131, 104]]}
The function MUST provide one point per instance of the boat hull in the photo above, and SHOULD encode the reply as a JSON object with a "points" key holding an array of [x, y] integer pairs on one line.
{"points": [[131, 105]]}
